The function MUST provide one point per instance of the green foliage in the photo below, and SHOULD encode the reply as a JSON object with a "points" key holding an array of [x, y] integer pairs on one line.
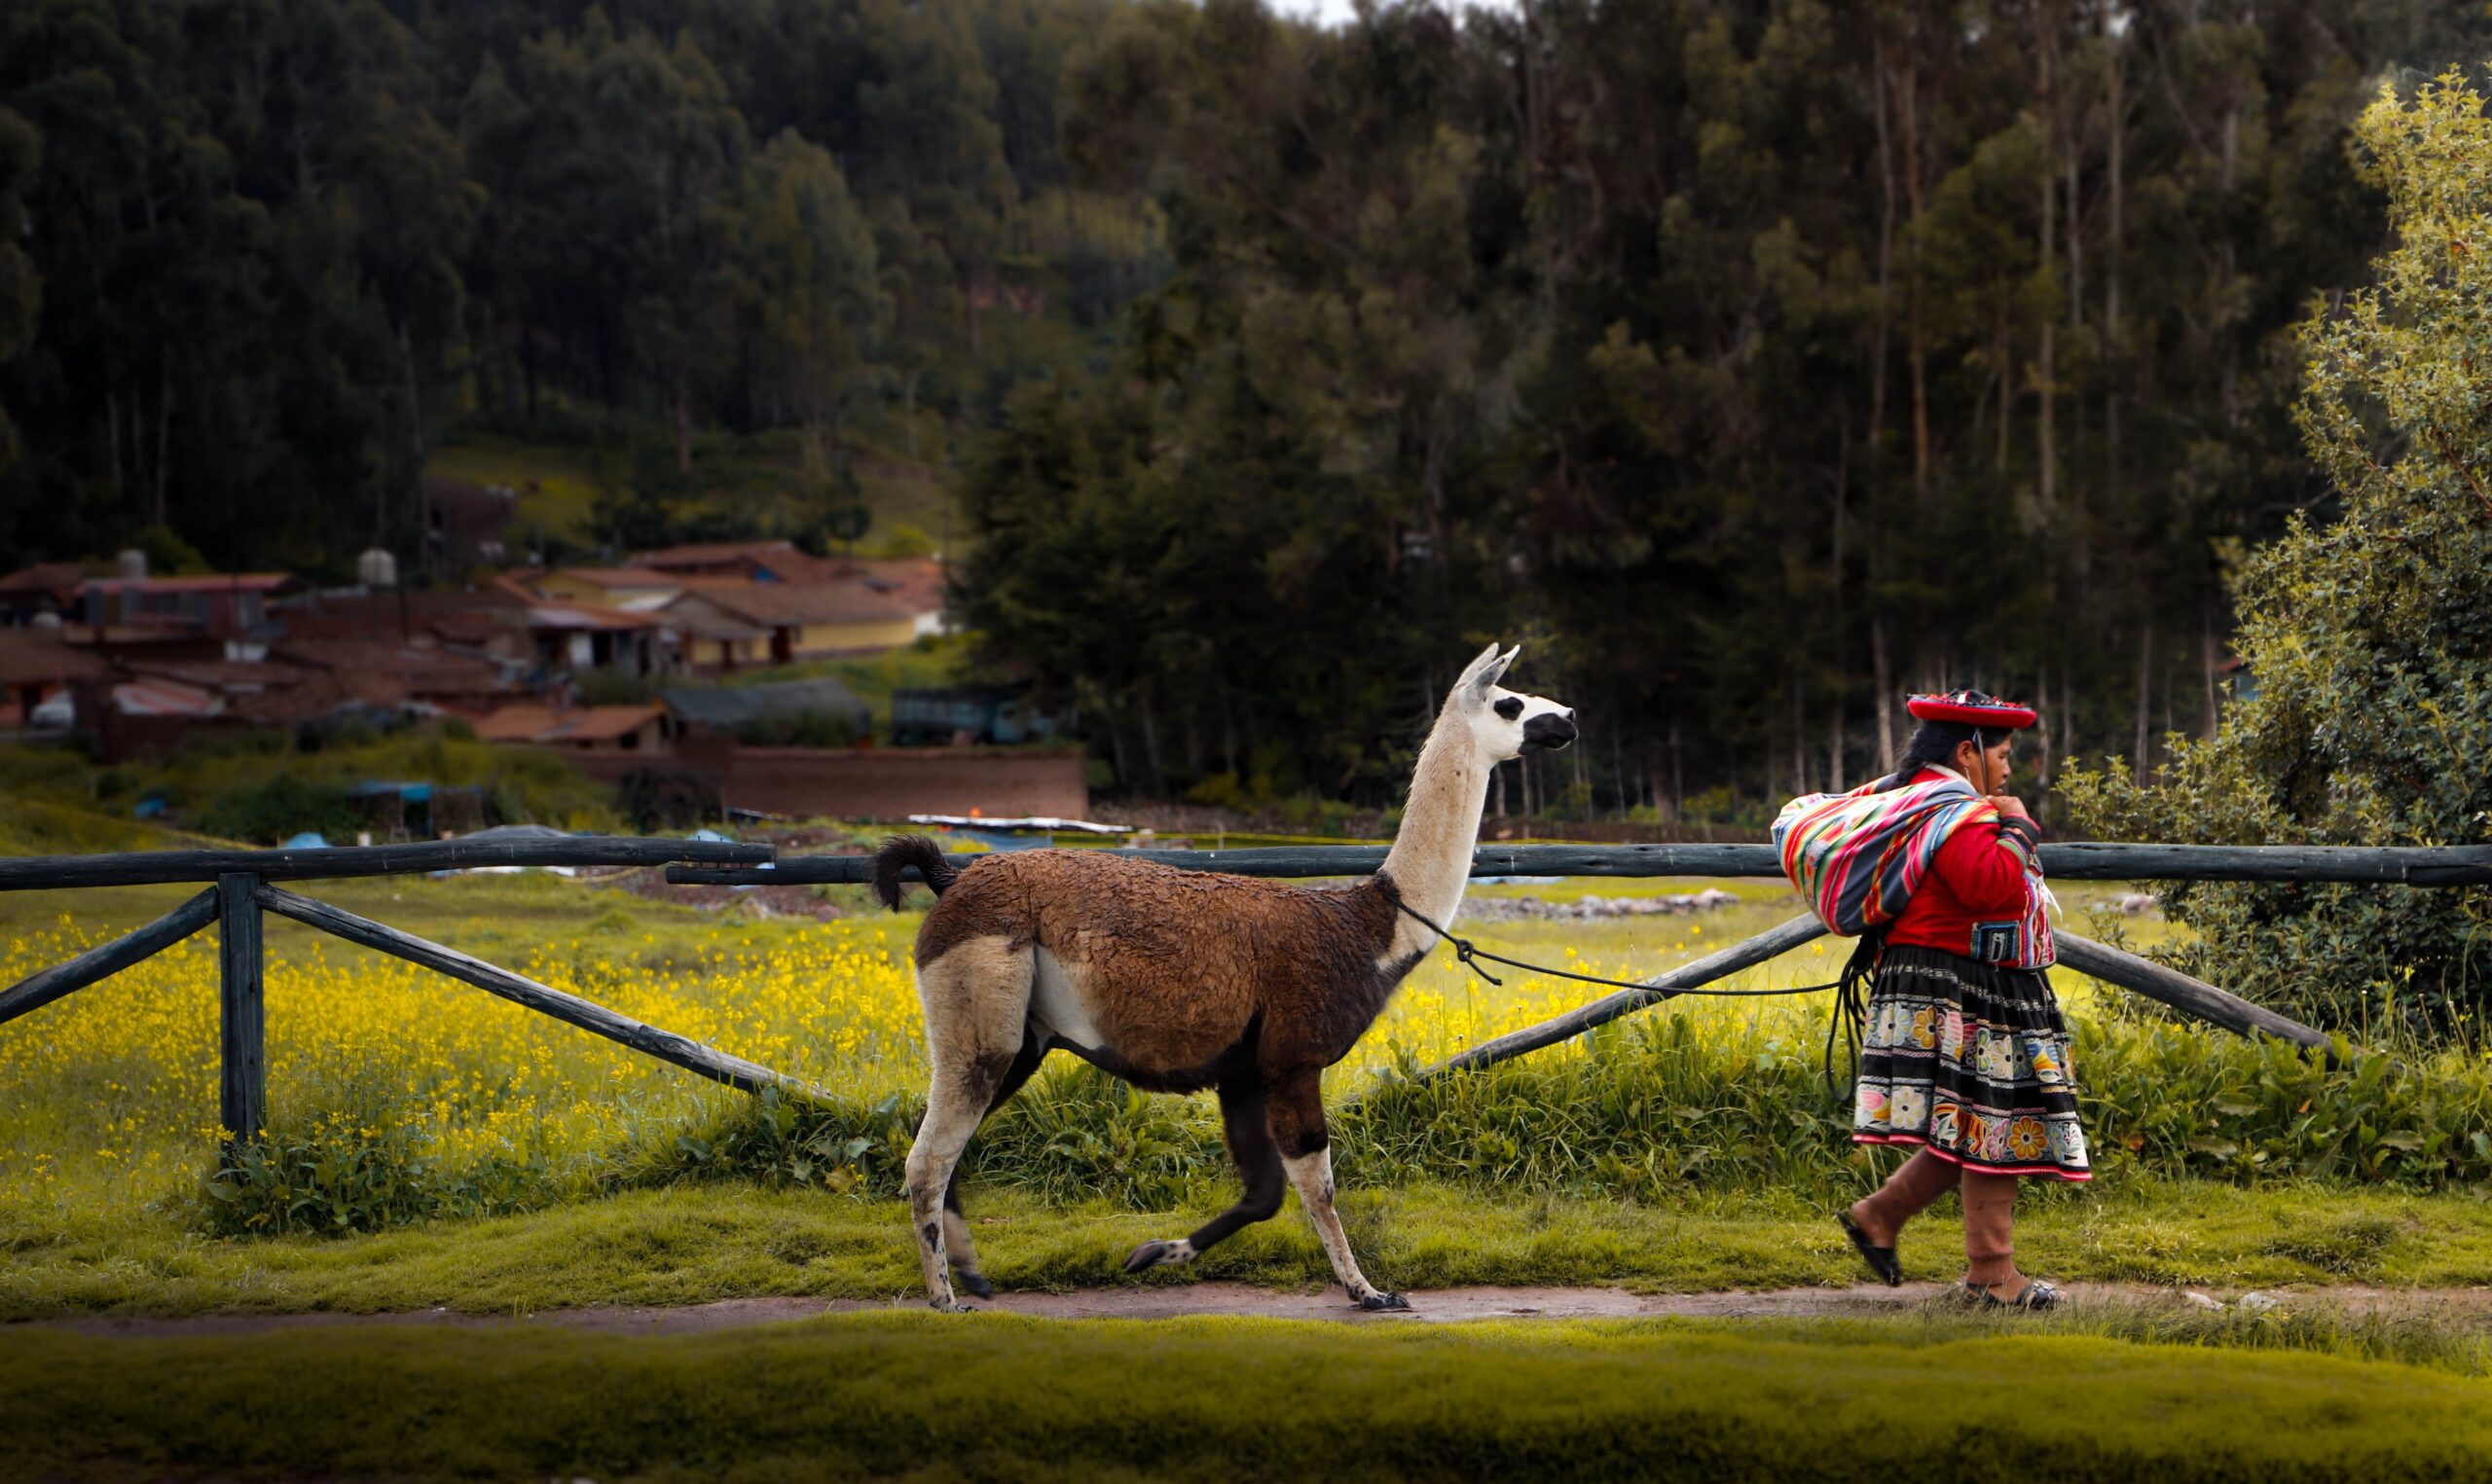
{"points": [[902, 540], [280, 807], [2369, 638], [257, 787], [263, 301], [169, 555], [1694, 342], [871, 1395], [366, 1169], [1657, 1108]]}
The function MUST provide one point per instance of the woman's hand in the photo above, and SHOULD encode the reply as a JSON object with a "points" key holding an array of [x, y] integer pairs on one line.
{"points": [[2011, 807]]}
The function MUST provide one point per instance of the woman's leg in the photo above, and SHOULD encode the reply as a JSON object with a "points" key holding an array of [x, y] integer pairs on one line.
{"points": [[1990, 1240], [1915, 1182]]}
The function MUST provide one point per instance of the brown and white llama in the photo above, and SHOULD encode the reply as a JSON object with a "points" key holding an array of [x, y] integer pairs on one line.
{"points": [[1181, 980]]}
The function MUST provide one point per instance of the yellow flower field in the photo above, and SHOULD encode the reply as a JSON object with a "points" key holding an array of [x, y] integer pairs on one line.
{"points": [[109, 1098]]}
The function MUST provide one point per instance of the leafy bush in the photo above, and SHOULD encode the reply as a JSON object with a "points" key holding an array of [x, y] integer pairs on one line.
{"points": [[2370, 640], [282, 806], [361, 1170], [253, 785], [1654, 1108]]}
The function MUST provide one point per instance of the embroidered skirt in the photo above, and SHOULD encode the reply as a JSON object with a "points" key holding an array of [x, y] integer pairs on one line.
{"points": [[1970, 1061]]}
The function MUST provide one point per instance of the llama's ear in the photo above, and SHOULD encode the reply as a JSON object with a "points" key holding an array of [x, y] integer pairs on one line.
{"points": [[1479, 666], [1490, 667]]}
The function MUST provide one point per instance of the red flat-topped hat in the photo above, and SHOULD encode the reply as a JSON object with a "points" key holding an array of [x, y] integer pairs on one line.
{"points": [[1972, 708]]}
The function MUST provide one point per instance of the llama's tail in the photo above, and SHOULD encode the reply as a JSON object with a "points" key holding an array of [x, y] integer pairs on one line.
{"points": [[901, 851]]}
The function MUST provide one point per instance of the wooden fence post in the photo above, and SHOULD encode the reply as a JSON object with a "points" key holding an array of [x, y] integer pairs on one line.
{"points": [[243, 1106]]}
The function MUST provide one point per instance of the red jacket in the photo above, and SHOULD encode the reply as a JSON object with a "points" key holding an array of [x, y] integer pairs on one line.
{"points": [[1978, 876]]}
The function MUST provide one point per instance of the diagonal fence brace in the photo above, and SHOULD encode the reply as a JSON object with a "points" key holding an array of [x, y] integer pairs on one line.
{"points": [[2192, 997], [105, 959], [545, 1000]]}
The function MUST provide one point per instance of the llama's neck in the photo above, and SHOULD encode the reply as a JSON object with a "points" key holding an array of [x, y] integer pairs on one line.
{"points": [[1430, 863]]}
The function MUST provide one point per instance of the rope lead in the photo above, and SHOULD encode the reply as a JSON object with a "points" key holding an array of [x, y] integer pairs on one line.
{"points": [[1469, 955]]}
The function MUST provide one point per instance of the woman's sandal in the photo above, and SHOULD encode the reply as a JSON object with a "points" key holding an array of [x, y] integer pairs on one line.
{"points": [[1880, 1259], [2038, 1296]]}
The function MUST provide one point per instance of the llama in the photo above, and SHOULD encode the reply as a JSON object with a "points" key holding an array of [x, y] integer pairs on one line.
{"points": [[1181, 980]]}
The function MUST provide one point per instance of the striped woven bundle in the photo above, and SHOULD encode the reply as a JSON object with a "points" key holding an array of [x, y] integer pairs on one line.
{"points": [[1857, 857]]}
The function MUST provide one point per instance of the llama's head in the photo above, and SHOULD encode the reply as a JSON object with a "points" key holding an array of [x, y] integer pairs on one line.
{"points": [[1507, 724]]}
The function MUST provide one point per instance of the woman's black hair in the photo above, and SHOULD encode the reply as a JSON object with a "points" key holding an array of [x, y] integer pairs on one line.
{"points": [[1934, 742]]}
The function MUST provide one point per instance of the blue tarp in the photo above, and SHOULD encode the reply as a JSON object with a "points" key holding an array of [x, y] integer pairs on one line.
{"points": [[410, 793], [309, 840]]}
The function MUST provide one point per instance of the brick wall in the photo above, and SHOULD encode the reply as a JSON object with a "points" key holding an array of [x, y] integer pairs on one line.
{"points": [[888, 783]]}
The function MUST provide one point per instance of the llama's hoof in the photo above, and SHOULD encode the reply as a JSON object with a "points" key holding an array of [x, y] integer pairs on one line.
{"points": [[975, 1284], [1153, 1254], [1377, 1302]]}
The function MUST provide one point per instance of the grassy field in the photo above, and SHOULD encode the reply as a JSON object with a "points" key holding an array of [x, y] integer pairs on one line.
{"points": [[1693, 1146], [938, 1398], [558, 484], [437, 1149], [719, 1239]]}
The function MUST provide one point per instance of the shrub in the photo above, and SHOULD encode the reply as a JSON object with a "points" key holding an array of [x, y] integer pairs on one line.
{"points": [[283, 806], [2370, 639]]}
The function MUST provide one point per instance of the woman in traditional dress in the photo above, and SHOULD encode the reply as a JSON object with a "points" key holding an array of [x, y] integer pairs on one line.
{"points": [[1964, 1053]]}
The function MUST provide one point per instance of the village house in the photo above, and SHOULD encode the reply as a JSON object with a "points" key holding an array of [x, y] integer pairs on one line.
{"points": [[35, 666], [632, 589], [46, 590], [797, 620], [749, 560], [228, 606], [916, 583], [589, 729]]}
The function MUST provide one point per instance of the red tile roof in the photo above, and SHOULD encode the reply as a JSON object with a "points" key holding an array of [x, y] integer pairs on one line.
{"points": [[618, 576], [601, 723], [32, 657], [532, 723], [917, 581], [776, 603], [55, 579]]}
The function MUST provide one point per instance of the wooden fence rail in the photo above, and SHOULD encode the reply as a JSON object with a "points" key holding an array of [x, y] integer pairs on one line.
{"points": [[2419, 866], [2396, 866], [241, 893], [35, 872]]}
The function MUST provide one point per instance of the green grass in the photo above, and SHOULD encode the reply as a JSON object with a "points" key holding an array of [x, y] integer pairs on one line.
{"points": [[699, 1243], [935, 660], [1692, 1147], [994, 1397], [54, 801], [558, 484]]}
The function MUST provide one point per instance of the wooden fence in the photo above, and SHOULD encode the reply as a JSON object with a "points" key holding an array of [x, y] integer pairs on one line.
{"points": [[238, 886], [240, 889], [2413, 866]]}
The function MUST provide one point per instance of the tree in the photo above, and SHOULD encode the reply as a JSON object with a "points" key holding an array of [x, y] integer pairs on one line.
{"points": [[21, 288], [2369, 637], [807, 281]]}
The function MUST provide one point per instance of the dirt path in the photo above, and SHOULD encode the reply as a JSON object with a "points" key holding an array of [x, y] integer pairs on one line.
{"points": [[2469, 1306]]}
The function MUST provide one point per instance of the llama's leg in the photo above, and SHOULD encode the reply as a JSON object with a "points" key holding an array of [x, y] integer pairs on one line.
{"points": [[1306, 1152], [977, 1000], [956, 1227], [1244, 1123]]}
